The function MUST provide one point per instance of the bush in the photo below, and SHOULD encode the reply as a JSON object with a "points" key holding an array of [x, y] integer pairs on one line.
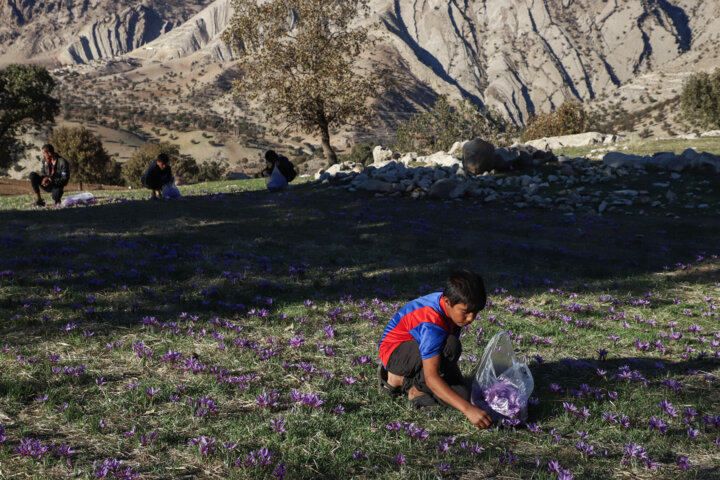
{"points": [[570, 118], [700, 99], [183, 166], [89, 162], [360, 153], [443, 125]]}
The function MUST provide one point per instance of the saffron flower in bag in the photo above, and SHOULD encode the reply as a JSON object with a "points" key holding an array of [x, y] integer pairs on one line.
{"points": [[504, 398]]}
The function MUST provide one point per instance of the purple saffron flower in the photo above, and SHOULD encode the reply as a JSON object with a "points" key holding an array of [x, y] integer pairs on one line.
{"points": [[280, 471], [278, 424], [206, 445], [692, 432], [443, 467], [683, 463], [399, 459]]}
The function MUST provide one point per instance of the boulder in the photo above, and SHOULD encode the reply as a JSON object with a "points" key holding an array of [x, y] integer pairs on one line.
{"points": [[456, 149], [505, 158], [711, 133], [375, 185], [707, 164], [444, 187], [478, 156], [440, 159], [624, 160], [381, 154], [577, 140]]}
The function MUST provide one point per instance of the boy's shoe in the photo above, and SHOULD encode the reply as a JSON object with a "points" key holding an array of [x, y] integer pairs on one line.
{"points": [[40, 203], [424, 401], [154, 198], [384, 387]]}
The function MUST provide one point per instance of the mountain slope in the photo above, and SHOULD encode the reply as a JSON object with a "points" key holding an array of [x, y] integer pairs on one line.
{"points": [[521, 56]]}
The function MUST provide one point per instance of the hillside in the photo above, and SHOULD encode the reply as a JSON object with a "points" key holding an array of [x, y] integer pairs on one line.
{"points": [[162, 65]]}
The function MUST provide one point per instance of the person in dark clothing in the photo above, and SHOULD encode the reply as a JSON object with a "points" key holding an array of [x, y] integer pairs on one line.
{"points": [[53, 176], [157, 174], [282, 163]]}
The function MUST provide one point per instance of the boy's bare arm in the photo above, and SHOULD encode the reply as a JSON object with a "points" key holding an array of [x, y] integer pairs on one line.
{"points": [[442, 390]]}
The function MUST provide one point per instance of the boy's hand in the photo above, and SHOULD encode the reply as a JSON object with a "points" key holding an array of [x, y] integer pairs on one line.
{"points": [[478, 417]]}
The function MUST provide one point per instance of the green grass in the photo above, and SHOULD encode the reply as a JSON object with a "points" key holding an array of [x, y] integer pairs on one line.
{"points": [[231, 275], [649, 147]]}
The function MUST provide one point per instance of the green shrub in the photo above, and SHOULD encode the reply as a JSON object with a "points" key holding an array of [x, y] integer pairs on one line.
{"points": [[700, 99], [183, 166], [444, 124], [89, 162], [360, 153], [568, 119]]}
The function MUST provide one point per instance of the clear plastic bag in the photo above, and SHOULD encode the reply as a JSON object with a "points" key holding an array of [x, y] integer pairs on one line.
{"points": [[169, 190], [78, 199], [277, 181], [502, 383]]}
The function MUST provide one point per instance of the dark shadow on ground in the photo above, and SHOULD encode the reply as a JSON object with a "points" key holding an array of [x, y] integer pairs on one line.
{"points": [[227, 254]]}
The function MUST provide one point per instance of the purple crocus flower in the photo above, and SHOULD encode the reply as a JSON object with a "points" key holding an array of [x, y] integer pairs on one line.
{"points": [[683, 463], [278, 424]]}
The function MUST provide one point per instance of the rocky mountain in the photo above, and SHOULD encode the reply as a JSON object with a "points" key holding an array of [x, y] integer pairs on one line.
{"points": [[66, 32], [521, 56]]}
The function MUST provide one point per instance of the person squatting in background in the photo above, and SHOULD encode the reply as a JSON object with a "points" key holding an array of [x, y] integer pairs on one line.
{"points": [[279, 171], [53, 177], [157, 174]]}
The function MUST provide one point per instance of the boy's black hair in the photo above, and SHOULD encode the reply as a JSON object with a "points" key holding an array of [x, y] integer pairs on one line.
{"points": [[271, 156], [464, 286], [163, 158], [48, 148]]}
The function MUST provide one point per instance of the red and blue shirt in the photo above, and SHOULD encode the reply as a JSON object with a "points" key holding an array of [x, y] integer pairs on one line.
{"points": [[424, 320]]}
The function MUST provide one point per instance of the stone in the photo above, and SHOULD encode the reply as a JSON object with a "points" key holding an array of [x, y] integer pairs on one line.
{"points": [[456, 149], [505, 158], [381, 154], [577, 140], [478, 156], [461, 189], [440, 159], [443, 188], [375, 185], [711, 133], [623, 160], [408, 158]]}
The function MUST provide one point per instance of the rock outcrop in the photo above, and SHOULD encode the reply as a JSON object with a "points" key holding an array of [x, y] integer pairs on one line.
{"points": [[116, 34], [201, 32], [526, 57]]}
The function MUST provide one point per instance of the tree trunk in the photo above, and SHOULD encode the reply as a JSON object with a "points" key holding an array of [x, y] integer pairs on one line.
{"points": [[330, 154]]}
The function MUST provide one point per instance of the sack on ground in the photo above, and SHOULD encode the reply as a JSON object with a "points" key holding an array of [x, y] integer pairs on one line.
{"points": [[501, 382], [78, 199], [169, 190], [277, 181]]}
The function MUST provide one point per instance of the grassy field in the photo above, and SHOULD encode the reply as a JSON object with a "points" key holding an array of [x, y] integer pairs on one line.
{"points": [[649, 147], [233, 334]]}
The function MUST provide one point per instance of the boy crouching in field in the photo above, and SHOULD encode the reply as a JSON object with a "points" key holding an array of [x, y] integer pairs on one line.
{"points": [[420, 348]]}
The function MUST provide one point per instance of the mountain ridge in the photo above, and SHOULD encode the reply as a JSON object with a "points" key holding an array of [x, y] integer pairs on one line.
{"points": [[522, 57]]}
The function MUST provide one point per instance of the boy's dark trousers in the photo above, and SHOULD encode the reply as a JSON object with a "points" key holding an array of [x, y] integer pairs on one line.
{"points": [[56, 192], [407, 362]]}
